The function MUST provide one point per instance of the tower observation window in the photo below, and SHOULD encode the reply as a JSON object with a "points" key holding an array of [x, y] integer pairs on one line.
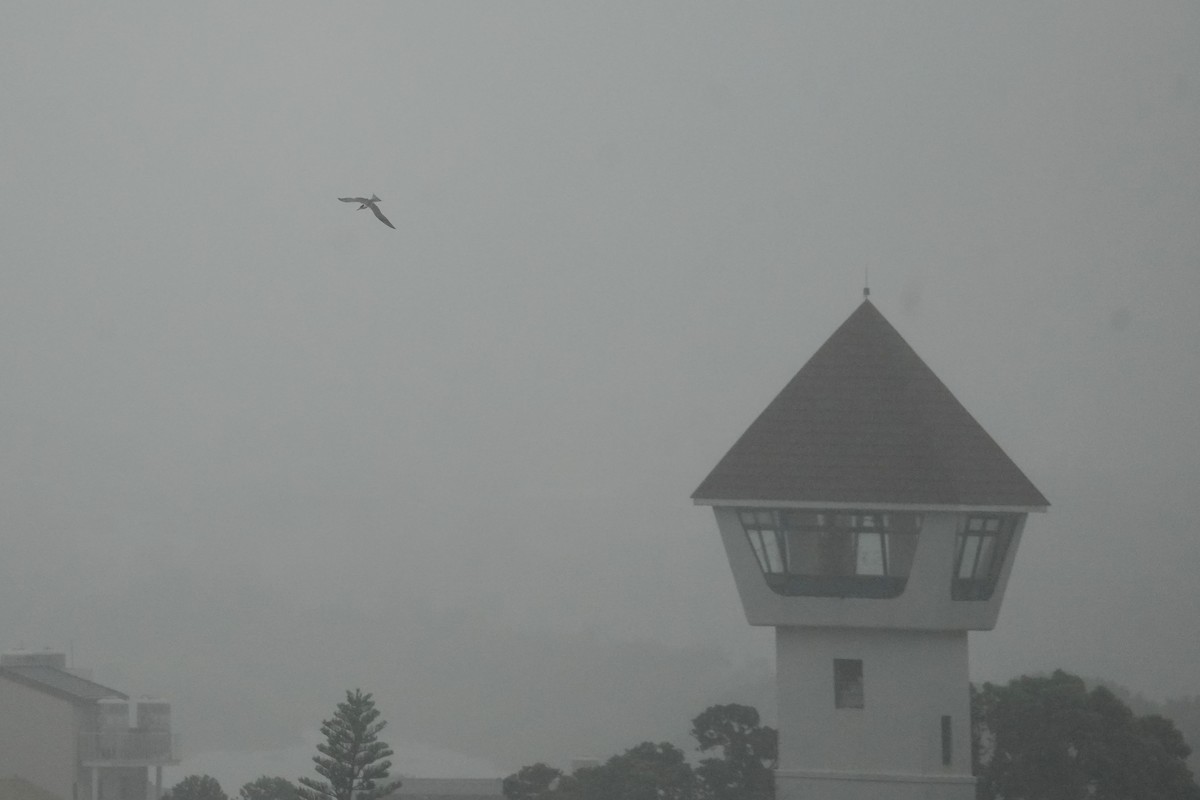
{"points": [[833, 553], [980, 549]]}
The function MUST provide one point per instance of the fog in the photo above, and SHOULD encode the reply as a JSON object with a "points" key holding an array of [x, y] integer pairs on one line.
{"points": [[259, 448]]}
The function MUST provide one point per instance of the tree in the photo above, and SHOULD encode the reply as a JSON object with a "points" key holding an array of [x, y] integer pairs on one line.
{"points": [[749, 752], [351, 759], [196, 787], [532, 782], [646, 772], [1185, 713], [267, 788], [1050, 738]]}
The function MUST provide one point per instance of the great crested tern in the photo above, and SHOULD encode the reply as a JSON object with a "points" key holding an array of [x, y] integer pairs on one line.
{"points": [[371, 204]]}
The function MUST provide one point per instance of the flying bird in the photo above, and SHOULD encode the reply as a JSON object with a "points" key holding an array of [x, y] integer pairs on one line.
{"points": [[371, 204]]}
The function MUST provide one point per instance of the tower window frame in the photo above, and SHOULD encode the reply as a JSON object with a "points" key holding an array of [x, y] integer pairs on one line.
{"points": [[981, 547], [833, 553]]}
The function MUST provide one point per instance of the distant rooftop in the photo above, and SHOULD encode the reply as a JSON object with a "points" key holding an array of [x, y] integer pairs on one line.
{"points": [[58, 681], [866, 421]]}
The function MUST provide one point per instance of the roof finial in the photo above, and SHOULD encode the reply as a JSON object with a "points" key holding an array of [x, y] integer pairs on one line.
{"points": [[866, 281]]}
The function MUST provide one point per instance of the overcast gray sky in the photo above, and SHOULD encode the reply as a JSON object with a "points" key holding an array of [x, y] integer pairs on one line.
{"points": [[621, 228]]}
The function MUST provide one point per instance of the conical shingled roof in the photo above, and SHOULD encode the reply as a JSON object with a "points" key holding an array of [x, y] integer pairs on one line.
{"points": [[866, 421]]}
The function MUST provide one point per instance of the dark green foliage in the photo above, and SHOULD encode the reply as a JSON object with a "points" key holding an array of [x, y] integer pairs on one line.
{"points": [[1050, 738], [749, 752], [1185, 713], [351, 759], [267, 788], [532, 782], [646, 772], [196, 787], [661, 771]]}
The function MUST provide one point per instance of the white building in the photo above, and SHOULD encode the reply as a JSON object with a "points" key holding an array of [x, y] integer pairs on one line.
{"points": [[76, 739], [870, 519]]}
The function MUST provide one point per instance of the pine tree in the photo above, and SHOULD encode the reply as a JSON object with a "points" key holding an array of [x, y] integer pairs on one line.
{"points": [[351, 759]]}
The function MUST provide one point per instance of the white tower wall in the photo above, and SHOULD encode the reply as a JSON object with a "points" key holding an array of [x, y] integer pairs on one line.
{"points": [[892, 746]]}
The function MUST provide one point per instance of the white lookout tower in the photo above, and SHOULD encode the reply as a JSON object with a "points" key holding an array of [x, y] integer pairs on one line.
{"points": [[870, 519]]}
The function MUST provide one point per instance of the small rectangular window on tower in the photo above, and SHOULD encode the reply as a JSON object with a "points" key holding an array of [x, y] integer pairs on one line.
{"points": [[947, 751], [847, 683]]}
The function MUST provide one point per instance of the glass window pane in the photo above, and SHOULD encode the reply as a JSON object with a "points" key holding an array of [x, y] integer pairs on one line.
{"points": [[798, 519], [847, 683], [803, 553], [870, 554], [846, 544], [966, 563], [756, 542], [987, 550], [836, 554], [774, 560]]}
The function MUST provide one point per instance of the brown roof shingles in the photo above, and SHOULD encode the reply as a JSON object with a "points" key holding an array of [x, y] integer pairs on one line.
{"points": [[866, 421]]}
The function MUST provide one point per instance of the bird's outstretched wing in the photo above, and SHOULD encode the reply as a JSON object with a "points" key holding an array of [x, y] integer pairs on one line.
{"points": [[382, 218], [361, 200]]}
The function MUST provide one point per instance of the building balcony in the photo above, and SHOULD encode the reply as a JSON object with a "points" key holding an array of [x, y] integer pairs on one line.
{"points": [[128, 748]]}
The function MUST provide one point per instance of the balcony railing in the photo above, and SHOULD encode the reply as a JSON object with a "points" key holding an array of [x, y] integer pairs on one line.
{"points": [[143, 747]]}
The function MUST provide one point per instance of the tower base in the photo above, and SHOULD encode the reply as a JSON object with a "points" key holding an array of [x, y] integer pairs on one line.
{"points": [[813, 785]]}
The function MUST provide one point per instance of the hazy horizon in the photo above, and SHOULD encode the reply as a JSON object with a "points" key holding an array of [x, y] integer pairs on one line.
{"points": [[620, 229]]}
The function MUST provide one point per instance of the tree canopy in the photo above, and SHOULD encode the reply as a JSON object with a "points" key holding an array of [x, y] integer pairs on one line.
{"points": [[661, 771], [196, 787], [1051, 738], [749, 751], [352, 760], [533, 782], [268, 788], [647, 771]]}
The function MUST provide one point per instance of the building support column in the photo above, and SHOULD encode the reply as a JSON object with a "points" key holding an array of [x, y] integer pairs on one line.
{"points": [[95, 783]]}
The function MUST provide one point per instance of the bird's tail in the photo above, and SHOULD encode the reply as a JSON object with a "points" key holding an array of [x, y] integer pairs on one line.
{"points": [[375, 198]]}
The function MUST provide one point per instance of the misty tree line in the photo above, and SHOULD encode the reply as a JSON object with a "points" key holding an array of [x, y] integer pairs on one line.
{"points": [[745, 752], [352, 763], [1034, 738], [1052, 737]]}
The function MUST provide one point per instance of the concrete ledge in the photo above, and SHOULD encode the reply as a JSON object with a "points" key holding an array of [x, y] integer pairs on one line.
{"points": [[798, 784], [874, 777]]}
